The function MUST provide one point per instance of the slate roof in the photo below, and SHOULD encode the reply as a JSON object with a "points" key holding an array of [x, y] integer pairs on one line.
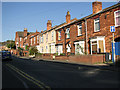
{"points": [[91, 15], [21, 34]]}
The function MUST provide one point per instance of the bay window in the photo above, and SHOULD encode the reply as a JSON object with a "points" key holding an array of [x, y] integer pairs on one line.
{"points": [[98, 45]]}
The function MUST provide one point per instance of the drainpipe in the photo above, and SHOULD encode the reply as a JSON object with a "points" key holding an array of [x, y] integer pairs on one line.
{"points": [[86, 36], [65, 39]]}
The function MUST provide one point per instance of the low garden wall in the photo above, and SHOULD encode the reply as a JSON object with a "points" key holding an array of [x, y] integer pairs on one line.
{"points": [[87, 59]]}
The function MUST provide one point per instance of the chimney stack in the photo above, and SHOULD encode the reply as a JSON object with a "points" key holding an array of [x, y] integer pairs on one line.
{"points": [[25, 32], [36, 30], [97, 6], [68, 17], [49, 25], [41, 31]]}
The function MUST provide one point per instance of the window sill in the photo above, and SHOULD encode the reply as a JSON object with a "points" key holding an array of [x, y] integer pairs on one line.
{"points": [[67, 38], [79, 35], [117, 26], [96, 31]]}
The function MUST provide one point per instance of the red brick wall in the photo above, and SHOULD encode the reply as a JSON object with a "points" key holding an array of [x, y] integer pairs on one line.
{"points": [[47, 56], [73, 36], [104, 28], [61, 58], [34, 35], [86, 59], [106, 20]]}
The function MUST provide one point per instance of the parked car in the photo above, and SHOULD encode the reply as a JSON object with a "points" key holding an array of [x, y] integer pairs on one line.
{"points": [[5, 55]]}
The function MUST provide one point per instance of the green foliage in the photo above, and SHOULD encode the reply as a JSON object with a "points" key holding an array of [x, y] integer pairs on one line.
{"points": [[39, 53], [56, 54], [11, 45], [20, 49], [26, 47], [33, 50], [62, 54]]}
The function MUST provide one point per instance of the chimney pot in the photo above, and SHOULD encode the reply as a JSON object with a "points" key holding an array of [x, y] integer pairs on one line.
{"points": [[68, 17], [25, 32], [49, 25]]}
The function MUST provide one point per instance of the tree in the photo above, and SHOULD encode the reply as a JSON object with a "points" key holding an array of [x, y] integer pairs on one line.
{"points": [[33, 50], [11, 45], [20, 50]]}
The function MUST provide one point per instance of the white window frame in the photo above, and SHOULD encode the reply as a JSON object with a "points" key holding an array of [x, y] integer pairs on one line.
{"points": [[68, 48], [59, 35], [60, 49], [80, 42], [67, 32], [46, 49], [42, 49], [52, 35], [95, 26], [52, 47], [37, 39], [20, 39], [47, 37], [116, 17], [97, 39], [79, 29], [42, 39]]}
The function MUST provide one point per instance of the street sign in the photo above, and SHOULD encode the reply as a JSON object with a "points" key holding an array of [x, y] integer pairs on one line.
{"points": [[112, 28]]}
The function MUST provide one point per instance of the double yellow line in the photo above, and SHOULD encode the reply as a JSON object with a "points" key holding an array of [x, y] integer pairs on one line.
{"points": [[30, 78]]}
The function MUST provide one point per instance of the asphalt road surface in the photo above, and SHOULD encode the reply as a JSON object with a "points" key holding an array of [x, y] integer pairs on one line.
{"points": [[46, 75]]}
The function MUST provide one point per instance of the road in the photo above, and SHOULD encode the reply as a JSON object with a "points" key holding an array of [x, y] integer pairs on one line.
{"points": [[46, 75]]}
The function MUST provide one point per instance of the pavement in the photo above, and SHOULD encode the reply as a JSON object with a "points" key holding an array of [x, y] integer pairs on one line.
{"points": [[103, 66]]}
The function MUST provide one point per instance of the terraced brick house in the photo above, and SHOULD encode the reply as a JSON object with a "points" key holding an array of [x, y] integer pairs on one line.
{"points": [[48, 39], [90, 34]]}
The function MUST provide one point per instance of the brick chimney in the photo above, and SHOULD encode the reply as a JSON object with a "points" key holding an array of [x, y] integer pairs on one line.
{"points": [[41, 31], [68, 17], [25, 32], [36, 30], [97, 6], [49, 25]]}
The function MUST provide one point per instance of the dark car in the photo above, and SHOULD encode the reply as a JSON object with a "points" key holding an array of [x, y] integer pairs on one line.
{"points": [[5, 55]]}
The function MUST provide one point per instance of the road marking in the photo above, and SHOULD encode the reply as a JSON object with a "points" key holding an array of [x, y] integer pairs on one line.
{"points": [[28, 77], [25, 85]]}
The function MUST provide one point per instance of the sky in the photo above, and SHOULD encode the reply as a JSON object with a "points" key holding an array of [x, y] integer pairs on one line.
{"points": [[34, 15]]}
